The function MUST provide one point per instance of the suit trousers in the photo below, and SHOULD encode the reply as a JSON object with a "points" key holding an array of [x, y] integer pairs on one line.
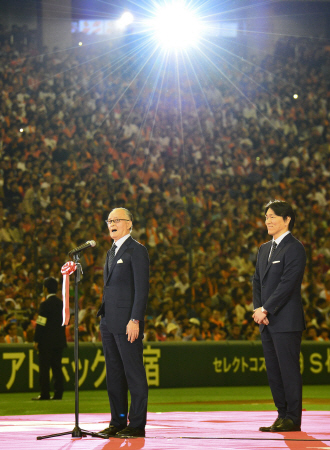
{"points": [[125, 371], [282, 353], [50, 358]]}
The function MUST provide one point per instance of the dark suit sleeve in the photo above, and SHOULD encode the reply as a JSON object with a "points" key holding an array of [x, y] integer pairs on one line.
{"points": [[291, 279], [41, 329], [256, 285], [140, 268]]}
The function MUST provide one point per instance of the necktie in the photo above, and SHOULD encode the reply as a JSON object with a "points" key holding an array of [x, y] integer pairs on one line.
{"points": [[274, 245], [111, 256]]}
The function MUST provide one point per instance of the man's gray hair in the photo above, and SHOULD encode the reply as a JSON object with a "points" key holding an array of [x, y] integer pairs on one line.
{"points": [[128, 214]]}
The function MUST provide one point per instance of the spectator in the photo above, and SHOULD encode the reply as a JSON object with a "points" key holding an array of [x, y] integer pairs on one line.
{"points": [[311, 333], [150, 333], [235, 333], [206, 334], [193, 194], [11, 334], [172, 332], [192, 331], [160, 332], [218, 334], [324, 334]]}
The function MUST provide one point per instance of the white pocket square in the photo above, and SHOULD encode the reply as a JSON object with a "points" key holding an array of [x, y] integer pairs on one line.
{"points": [[275, 262], [120, 261]]}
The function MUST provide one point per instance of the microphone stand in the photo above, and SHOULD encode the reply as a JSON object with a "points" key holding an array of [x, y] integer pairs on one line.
{"points": [[77, 432]]}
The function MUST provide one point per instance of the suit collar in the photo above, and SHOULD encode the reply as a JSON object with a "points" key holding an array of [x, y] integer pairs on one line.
{"points": [[121, 241], [280, 238], [280, 244], [122, 248]]}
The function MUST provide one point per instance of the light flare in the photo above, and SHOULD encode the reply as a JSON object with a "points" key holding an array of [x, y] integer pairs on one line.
{"points": [[176, 26]]}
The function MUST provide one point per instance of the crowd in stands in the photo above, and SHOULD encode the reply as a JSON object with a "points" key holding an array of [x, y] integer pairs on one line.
{"points": [[82, 133]]}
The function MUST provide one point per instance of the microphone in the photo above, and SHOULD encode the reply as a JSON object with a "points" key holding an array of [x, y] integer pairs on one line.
{"points": [[82, 247]]}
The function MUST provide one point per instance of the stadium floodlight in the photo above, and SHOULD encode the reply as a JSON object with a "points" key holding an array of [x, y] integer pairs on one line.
{"points": [[126, 19], [175, 25]]}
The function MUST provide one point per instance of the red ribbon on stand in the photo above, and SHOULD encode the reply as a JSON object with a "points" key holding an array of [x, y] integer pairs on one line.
{"points": [[66, 271]]}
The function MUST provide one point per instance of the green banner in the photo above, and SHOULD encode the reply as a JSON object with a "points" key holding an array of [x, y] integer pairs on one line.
{"points": [[168, 364]]}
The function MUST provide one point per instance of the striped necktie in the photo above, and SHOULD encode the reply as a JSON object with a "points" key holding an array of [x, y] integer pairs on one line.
{"points": [[274, 245], [111, 256]]}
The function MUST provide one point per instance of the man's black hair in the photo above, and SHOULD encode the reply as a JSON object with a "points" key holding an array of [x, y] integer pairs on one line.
{"points": [[51, 284], [282, 209]]}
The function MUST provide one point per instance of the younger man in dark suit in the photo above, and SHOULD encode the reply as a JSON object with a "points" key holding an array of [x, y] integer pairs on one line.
{"points": [[50, 340], [125, 295], [279, 312]]}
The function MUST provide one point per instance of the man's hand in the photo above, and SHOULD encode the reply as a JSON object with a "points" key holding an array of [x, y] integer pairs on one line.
{"points": [[260, 317], [35, 345], [265, 321], [132, 331]]}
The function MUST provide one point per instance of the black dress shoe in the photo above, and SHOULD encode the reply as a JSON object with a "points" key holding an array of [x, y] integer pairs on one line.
{"points": [[55, 398], [129, 432], [110, 431], [286, 425], [277, 422], [40, 398]]}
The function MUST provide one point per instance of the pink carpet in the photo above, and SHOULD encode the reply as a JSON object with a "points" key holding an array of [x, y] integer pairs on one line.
{"points": [[174, 431]]}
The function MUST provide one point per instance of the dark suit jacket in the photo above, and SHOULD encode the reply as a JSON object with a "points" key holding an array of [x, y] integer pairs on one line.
{"points": [[52, 334], [277, 285], [126, 287]]}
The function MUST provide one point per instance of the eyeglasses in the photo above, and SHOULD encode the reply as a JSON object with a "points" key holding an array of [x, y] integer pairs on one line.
{"points": [[109, 222]]}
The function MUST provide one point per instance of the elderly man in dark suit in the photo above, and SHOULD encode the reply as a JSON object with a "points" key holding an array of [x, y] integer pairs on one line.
{"points": [[49, 341], [279, 312], [125, 295]]}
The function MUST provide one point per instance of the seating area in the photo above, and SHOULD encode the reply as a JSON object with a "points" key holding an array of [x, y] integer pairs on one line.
{"points": [[195, 163]]}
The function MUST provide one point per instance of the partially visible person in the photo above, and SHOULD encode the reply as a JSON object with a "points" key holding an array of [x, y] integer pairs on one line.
{"points": [[218, 334], [160, 332], [11, 336], [206, 334], [324, 334], [192, 332], [150, 334], [311, 333], [172, 330], [50, 341], [235, 333], [3, 321]]}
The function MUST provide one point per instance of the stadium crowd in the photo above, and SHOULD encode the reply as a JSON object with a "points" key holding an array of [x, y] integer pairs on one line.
{"points": [[82, 133]]}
